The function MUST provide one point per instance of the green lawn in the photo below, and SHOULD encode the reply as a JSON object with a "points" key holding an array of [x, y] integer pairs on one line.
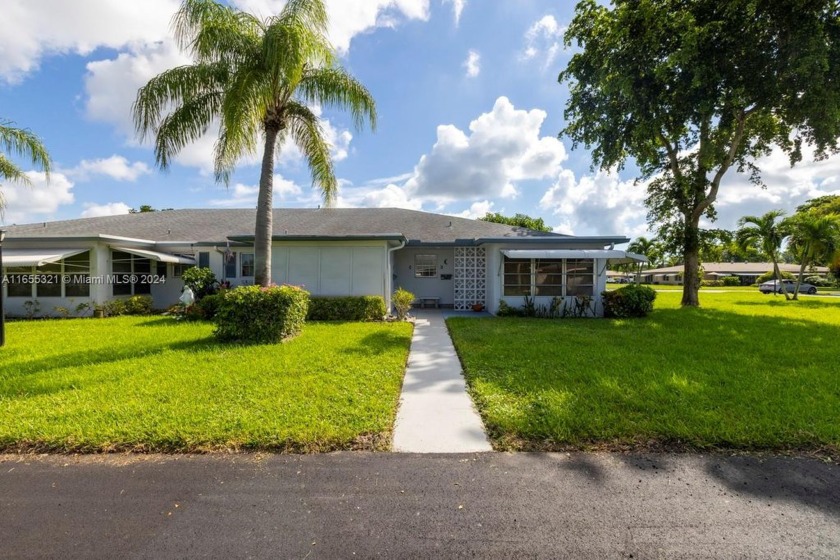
{"points": [[156, 384], [746, 371]]}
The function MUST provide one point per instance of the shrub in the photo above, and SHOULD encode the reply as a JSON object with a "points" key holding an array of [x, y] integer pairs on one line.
{"points": [[731, 281], [767, 276], [264, 315], [347, 308], [208, 305], [818, 281], [114, 308], [629, 301], [402, 301], [138, 305], [506, 310], [711, 283], [201, 281]]}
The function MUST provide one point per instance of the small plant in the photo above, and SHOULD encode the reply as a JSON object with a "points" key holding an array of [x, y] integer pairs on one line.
{"points": [[82, 309], [138, 305], [629, 301], [261, 315], [529, 308], [730, 281], [402, 301], [114, 308], [201, 281], [62, 311], [506, 310], [32, 308]]}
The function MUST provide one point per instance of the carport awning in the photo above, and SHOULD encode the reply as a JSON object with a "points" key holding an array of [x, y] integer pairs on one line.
{"points": [[37, 257], [614, 256], [155, 255]]}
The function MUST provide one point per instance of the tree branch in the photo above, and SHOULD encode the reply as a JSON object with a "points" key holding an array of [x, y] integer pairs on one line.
{"points": [[727, 163]]}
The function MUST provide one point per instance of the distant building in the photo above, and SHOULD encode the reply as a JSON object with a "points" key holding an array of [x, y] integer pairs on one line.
{"points": [[748, 273]]}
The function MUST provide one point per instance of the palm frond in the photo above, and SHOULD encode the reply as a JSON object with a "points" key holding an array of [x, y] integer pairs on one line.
{"points": [[185, 125], [241, 120], [25, 144], [304, 128], [12, 173], [335, 87]]}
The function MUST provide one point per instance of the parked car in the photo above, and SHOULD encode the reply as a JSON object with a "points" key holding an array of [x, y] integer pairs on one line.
{"points": [[790, 285]]}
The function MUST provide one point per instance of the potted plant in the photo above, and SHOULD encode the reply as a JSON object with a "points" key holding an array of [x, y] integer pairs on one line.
{"points": [[478, 307]]}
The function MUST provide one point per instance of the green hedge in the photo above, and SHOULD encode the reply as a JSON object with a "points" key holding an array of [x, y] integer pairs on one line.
{"points": [[264, 315], [346, 308], [629, 301]]}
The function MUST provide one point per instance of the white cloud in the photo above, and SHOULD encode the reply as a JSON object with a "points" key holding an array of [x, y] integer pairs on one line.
{"points": [[473, 64], [32, 30], [504, 147], [457, 8], [93, 210], [116, 167], [246, 195], [543, 41], [41, 199], [476, 210]]}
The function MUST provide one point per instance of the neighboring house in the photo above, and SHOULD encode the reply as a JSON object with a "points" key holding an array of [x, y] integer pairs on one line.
{"points": [[455, 262], [748, 273]]}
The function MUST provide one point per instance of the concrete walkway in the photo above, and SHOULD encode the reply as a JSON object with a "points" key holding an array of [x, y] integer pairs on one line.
{"points": [[436, 415]]}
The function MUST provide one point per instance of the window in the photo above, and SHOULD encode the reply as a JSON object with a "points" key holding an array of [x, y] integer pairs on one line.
{"points": [[204, 259], [246, 264], [178, 269], [549, 277], [230, 264], [129, 270], [425, 266], [517, 279], [66, 278]]}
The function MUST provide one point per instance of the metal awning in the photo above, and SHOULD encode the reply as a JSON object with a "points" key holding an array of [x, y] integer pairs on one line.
{"points": [[156, 255], [614, 256], [37, 257]]}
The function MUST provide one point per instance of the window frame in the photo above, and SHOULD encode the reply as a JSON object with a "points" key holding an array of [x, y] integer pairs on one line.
{"points": [[242, 264], [133, 261], [61, 272], [532, 289], [429, 269]]}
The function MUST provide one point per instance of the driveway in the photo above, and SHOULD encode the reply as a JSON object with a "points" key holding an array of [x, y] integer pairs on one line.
{"points": [[362, 505]]}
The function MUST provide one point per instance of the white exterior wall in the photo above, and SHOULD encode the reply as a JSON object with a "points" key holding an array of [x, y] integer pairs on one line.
{"points": [[426, 287]]}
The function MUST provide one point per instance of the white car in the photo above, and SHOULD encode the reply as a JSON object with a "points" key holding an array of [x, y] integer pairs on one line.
{"points": [[790, 285]]}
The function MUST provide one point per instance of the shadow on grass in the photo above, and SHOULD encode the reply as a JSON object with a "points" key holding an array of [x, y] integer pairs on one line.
{"points": [[696, 378], [807, 303], [378, 343]]}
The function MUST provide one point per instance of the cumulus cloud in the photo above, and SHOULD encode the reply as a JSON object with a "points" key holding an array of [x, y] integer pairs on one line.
{"points": [[457, 8], [504, 146], [246, 195], [473, 64], [93, 210], [543, 41], [116, 167], [476, 210], [41, 199], [32, 30]]}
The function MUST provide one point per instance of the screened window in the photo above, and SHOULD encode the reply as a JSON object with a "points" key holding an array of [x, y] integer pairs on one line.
{"points": [[246, 264], [19, 281], [425, 266], [66, 278], [230, 264], [48, 282], [77, 275], [204, 259], [131, 274], [548, 277], [517, 281]]}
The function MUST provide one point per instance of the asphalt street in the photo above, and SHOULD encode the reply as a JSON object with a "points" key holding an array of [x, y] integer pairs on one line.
{"points": [[386, 505]]}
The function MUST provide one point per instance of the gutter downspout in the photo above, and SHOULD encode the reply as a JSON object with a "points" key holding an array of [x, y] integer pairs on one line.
{"points": [[389, 275]]}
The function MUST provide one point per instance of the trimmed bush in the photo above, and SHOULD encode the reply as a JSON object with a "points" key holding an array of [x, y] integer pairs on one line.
{"points": [[402, 300], [346, 308], [135, 305], [629, 301], [767, 276], [201, 281], [263, 315], [730, 281], [711, 283], [209, 305]]}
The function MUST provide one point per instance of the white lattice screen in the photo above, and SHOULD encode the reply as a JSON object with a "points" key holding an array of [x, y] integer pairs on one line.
{"points": [[470, 277]]}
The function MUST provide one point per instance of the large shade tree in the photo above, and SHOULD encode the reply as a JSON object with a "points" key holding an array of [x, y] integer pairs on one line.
{"points": [[256, 79], [768, 232], [20, 143], [691, 89]]}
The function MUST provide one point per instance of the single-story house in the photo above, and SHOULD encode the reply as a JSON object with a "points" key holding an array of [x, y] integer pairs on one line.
{"points": [[748, 273], [448, 261]]}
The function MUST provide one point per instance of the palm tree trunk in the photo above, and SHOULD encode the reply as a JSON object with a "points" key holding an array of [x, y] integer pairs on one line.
{"points": [[264, 227], [801, 274], [778, 274]]}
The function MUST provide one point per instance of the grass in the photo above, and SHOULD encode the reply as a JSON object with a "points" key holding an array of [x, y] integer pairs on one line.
{"points": [[745, 371], [156, 384]]}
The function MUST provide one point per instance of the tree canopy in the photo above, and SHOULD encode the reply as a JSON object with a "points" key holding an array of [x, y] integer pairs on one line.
{"points": [[256, 79], [519, 220], [690, 89]]}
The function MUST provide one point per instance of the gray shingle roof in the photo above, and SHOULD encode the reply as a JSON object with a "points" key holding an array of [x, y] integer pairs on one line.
{"points": [[198, 225]]}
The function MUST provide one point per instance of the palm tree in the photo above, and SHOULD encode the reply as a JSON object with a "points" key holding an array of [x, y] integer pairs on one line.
{"points": [[647, 247], [21, 143], [767, 232], [255, 77], [813, 238]]}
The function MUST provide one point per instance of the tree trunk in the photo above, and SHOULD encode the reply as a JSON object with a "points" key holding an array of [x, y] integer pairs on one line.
{"points": [[691, 270], [801, 274], [264, 228], [778, 274]]}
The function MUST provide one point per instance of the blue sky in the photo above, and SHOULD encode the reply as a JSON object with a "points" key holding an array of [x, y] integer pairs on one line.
{"points": [[469, 111]]}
